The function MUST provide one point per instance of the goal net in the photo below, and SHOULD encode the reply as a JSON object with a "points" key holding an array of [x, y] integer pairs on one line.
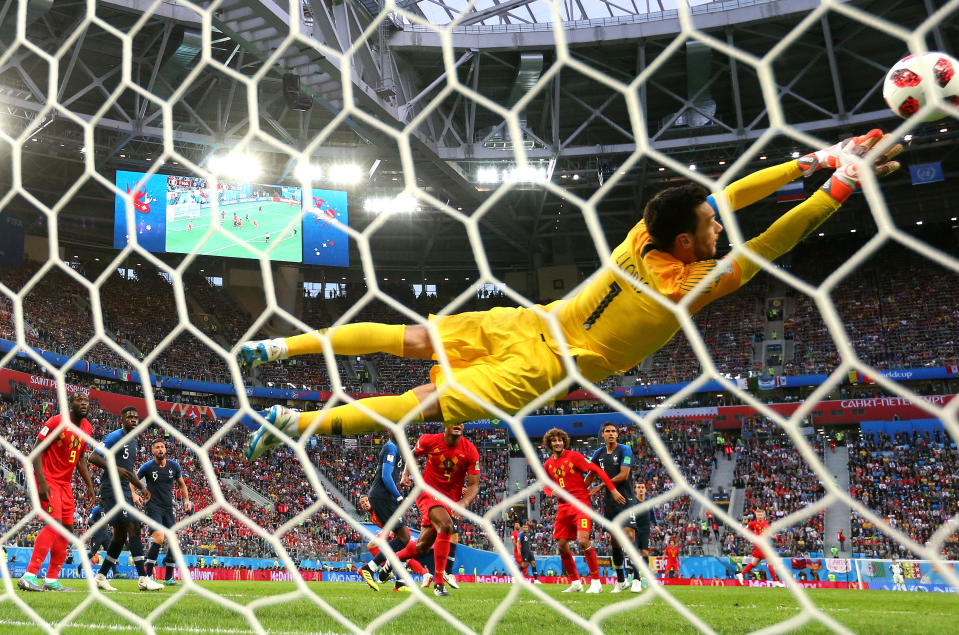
{"points": [[503, 130]]}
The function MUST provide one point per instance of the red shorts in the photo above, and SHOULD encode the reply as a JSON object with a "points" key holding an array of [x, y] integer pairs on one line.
{"points": [[757, 553], [425, 502], [672, 565], [569, 521], [61, 504]]}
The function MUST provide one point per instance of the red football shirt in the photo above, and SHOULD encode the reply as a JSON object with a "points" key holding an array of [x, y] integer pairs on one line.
{"points": [[757, 527], [447, 467], [672, 553], [515, 537], [60, 457], [568, 470]]}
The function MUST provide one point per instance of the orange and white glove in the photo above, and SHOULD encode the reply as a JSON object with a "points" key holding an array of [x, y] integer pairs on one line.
{"points": [[846, 179]]}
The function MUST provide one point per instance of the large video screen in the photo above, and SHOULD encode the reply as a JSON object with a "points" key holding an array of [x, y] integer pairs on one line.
{"points": [[173, 213]]}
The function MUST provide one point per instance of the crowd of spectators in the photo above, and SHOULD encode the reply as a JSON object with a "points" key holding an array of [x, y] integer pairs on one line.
{"points": [[776, 478], [908, 480]]}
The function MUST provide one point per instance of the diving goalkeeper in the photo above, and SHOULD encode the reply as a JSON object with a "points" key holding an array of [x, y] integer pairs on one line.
{"points": [[508, 356]]}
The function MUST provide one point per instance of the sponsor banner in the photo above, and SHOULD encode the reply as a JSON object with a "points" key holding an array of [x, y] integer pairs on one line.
{"points": [[927, 588], [839, 565], [47, 382], [507, 579]]}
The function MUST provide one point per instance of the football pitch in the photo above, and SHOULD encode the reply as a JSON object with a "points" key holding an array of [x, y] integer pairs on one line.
{"points": [[273, 220], [724, 610]]}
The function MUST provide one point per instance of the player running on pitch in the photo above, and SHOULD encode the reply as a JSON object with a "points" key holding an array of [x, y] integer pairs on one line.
{"points": [[566, 468], [450, 458], [53, 472], [758, 526], [508, 356], [616, 460]]}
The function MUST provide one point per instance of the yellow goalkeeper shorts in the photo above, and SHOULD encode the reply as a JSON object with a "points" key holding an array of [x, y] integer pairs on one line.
{"points": [[502, 356]]}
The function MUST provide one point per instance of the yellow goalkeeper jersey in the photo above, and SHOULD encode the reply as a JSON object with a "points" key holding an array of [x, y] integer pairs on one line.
{"points": [[613, 324]]}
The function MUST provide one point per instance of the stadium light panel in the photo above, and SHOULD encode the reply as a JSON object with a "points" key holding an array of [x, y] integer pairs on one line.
{"points": [[307, 172], [235, 165], [346, 173], [487, 175]]}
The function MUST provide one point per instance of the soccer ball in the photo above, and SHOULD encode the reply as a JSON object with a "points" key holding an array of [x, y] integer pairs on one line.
{"points": [[907, 83]]}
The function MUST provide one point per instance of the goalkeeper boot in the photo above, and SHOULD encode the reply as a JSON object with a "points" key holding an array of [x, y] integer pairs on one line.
{"points": [[252, 354], [263, 440]]}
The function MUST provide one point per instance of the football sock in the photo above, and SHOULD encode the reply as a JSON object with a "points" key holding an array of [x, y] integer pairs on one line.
{"points": [[380, 558], [408, 552], [41, 547], [451, 558], [747, 568], [618, 563], [136, 553], [348, 419], [360, 338], [569, 565], [592, 562], [441, 551], [58, 555], [152, 556], [109, 560], [416, 566], [772, 573]]}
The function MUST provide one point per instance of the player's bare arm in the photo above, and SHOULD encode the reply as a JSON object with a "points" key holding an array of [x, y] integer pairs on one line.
{"points": [[43, 488], [472, 491], [185, 493]]}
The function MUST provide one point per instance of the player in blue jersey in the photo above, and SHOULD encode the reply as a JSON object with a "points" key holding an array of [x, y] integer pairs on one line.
{"points": [[616, 460], [527, 559], [160, 475], [126, 528], [384, 499], [101, 538]]}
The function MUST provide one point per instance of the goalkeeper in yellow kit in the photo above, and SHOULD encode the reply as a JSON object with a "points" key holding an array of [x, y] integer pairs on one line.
{"points": [[507, 356]]}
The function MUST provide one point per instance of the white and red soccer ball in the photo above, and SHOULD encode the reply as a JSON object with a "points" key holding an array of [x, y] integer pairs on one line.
{"points": [[907, 83]]}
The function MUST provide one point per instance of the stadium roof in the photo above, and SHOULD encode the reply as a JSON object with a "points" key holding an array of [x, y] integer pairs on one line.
{"points": [[519, 12]]}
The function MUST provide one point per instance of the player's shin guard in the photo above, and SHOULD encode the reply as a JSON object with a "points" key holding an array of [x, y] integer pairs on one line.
{"points": [[592, 562], [349, 419], [441, 552], [58, 555], [41, 547], [617, 554], [361, 338], [152, 555], [569, 565], [452, 558]]}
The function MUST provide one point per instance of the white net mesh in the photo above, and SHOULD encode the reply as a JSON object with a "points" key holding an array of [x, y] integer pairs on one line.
{"points": [[341, 45]]}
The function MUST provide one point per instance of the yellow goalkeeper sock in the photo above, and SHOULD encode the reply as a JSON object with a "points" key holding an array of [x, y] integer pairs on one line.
{"points": [[349, 419], [360, 338]]}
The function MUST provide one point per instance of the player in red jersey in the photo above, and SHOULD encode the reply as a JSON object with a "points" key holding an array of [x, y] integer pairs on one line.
{"points": [[514, 538], [567, 469], [449, 459], [53, 470], [759, 526], [672, 559]]}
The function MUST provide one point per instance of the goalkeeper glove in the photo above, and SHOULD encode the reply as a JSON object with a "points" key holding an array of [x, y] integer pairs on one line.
{"points": [[832, 157], [845, 180]]}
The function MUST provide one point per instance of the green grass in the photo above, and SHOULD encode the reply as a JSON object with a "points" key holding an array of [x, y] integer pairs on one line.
{"points": [[272, 220], [726, 610]]}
